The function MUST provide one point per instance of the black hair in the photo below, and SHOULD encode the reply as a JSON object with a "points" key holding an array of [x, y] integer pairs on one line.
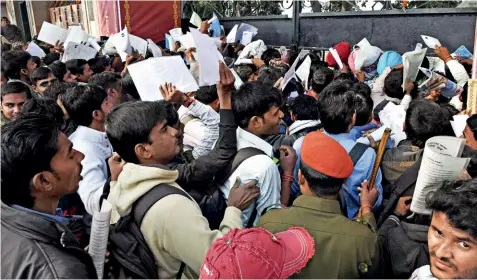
{"points": [[207, 94], [393, 85], [106, 80], [29, 142], [472, 123], [51, 57], [98, 64], [45, 49], [129, 87], [305, 107], [36, 60], [291, 86], [13, 62], [348, 76], [171, 115], [254, 99], [76, 66], [6, 19], [336, 107], [16, 87], [245, 71], [6, 47], [131, 123], [81, 101], [44, 106], [270, 54], [59, 69], [56, 88], [362, 88], [322, 77], [425, 119], [319, 183], [270, 75], [40, 73], [364, 108], [457, 201]]}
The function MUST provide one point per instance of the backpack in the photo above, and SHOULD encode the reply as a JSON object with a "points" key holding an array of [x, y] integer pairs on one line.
{"points": [[130, 256]]}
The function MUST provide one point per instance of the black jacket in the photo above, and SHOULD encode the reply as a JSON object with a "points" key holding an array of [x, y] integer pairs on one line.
{"points": [[36, 247]]}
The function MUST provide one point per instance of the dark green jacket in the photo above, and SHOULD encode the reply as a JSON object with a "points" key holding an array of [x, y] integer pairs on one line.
{"points": [[343, 248]]}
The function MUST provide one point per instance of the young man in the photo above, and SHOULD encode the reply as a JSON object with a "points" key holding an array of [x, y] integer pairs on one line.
{"points": [[80, 70], [61, 72], [41, 79], [452, 237], [321, 78], [39, 166], [14, 95], [10, 31], [201, 127], [336, 105], [17, 66], [349, 249], [86, 106], [146, 138], [111, 83]]}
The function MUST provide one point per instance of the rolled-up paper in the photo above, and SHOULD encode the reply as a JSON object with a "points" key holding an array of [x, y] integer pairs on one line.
{"points": [[98, 241]]}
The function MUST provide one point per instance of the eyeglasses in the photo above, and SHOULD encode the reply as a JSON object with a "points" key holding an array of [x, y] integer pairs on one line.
{"points": [[47, 83]]}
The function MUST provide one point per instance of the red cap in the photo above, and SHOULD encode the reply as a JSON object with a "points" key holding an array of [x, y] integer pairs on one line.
{"points": [[258, 254], [325, 155], [343, 49]]}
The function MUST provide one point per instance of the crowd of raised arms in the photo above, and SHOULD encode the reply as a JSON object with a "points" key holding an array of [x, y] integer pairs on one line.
{"points": [[267, 179]]}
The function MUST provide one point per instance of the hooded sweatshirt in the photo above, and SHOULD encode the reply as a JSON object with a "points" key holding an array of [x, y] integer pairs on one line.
{"points": [[174, 227]]}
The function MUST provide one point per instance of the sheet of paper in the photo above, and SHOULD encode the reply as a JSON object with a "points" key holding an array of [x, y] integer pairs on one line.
{"points": [[77, 35], [207, 58], [176, 33], [303, 72], [50, 33], [458, 124], [77, 51], [98, 241], [232, 36], [243, 27], [238, 82], [122, 42], [364, 44], [187, 41], [149, 74], [138, 43], [92, 42], [411, 62], [170, 42], [214, 18], [418, 47], [359, 59], [393, 116], [337, 58], [290, 74], [246, 38], [155, 50], [431, 42], [217, 41], [436, 64], [35, 50], [376, 135], [440, 162], [195, 19], [242, 61], [472, 96]]}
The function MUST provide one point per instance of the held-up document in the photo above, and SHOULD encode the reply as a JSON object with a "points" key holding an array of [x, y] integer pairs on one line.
{"points": [[92, 42], [195, 20], [441, 162], [176, 33], [187, 41], [149, 74], [243, 27], [50, 33], [431, 42], [337, 58], [77, 51], [231, 37], [98, 241], [411, 62], [77, 35], [303, 71], [290, 74], [393, 116], [238, 82], [458, 124], [247, 38], [35, 50], [207, 58], [155, 50]]}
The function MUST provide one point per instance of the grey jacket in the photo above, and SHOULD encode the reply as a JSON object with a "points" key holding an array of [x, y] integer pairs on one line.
{"points": [[36, 247]]}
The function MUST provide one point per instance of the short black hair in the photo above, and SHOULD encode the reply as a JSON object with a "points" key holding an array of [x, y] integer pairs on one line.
{"points": [[425, 119], [29, 142], [98, 64], [44, 106], [336, 107], [81, 101], [364, 108], [207, 94], [6, 47], [245, 71], [270, 75], [13, 62], [348, 76], [131, 123], [76, 66], [36, 60], [362, 88], [319, 183], [51, 57], [59, 69], [56, 88], [40, 73], [254, 99], [305, 107], [106, 80], [171, 115], [322, 77], [129, 87], [270, 54], [457, 201], [393, 84], [16, 87]]}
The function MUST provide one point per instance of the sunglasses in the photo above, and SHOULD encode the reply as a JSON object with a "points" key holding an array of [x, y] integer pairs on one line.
{"points": [[47, 83]]}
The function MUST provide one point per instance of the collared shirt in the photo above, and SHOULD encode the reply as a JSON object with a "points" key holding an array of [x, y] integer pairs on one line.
{"points": [[260, 168], [200, 134], [58, 217], [96, 149], [362, 171]]}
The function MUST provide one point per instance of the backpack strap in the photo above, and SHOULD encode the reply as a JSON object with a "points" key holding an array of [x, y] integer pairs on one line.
{"points": [[242, 155], [187, 119]]}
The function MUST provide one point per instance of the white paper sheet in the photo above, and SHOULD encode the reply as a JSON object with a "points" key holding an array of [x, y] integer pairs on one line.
{"points": [[303, 72], [458, 124], [243, 27], [238, 82], [176, 33], [411, 62], [77, 51], [232, 36], [155, 50], [50, 33], [77, 35], [195, 19], [242, 61], [170, 41], [436, 64], [207, 58], [216, 41], [122, 42], [364, 44], [440, 162], [393, 116], [149, 74], [289, 74], [136, 43], [377, 135], [98, 241], [337, 58], [35, 50], [187, 41], [431, 42], [246, 38], [418, 47], [212, 19], [92, 42]]}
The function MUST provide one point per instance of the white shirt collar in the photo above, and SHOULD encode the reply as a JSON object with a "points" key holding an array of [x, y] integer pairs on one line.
{"points": [[246, 139], [91, 135]]}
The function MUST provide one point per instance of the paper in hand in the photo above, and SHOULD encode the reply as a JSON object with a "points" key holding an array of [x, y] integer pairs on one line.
{"points": [[462, 53], [289, 75], [77, 35], [232, 36], [78, 51], [176, 33], [243, 27], [207, 59], [50, 33], [196, 20], [92, 42], [303, 72], [170, 42], [411, 62], [122, 42], [458, 124], [98, 241], [337, 58], [214, 18], [238, 82], [431, 42], [247, 38], [149, 74], [155, 50], [35, 50], [187, 41]]}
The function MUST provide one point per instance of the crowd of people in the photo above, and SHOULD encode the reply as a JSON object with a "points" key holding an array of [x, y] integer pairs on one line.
{"points": [[261, 180]]}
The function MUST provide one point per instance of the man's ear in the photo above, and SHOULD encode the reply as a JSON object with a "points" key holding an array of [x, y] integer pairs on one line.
{"points": [[142, 151], [42, 182], [255, 122], [301, 178], [24, 72], [98, 115], [353, 120], [292, 116]]}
